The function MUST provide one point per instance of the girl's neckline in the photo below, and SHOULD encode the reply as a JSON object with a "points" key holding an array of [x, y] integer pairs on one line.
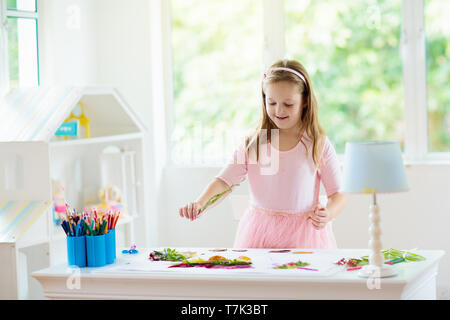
{"points": [[285, 151]]}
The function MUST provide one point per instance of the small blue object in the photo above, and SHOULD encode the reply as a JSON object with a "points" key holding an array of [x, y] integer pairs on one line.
{"points": [[132, 250]]}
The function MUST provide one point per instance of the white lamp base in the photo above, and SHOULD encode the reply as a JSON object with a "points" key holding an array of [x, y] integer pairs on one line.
{"points": [[377, 272]]}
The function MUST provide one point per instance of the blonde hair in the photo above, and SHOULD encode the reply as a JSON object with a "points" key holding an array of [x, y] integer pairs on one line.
{"points": [[309, 121]]}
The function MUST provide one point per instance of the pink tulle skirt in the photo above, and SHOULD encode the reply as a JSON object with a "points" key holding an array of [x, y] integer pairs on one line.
{"points": [[258, 229]]}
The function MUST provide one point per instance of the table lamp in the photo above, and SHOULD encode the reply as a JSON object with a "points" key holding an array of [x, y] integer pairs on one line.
{"points": [[373, 167]]}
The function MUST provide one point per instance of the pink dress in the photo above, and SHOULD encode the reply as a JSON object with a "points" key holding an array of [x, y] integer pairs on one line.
{"points": [[284, 187]]}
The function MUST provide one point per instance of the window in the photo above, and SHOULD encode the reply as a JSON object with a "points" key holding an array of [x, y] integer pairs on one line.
{"points": [[437, 30], [216, 63], [19, 24], [376, 72], [350, 50]]}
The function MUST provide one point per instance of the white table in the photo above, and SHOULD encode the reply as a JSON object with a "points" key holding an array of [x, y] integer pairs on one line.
{"points": [[153, 280]]}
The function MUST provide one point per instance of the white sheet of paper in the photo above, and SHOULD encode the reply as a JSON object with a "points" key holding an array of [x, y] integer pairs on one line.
{"points": [[262, 263]]}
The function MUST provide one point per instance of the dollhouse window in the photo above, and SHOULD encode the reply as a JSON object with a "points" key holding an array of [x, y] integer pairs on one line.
{"points": [[13, 178]]}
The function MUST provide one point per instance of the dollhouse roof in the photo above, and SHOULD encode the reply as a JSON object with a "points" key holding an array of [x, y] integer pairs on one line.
{"points": [[34, 114]]}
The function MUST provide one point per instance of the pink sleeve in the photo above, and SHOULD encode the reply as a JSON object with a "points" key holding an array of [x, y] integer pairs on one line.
{"points": [[330, 169], [236, 169]]}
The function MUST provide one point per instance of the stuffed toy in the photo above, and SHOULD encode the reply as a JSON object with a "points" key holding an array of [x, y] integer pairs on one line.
{"points": [[59, 202], [111, 200]]}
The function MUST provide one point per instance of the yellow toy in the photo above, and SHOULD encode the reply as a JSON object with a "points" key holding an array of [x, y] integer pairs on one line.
{"points": [[111, 200], [78, 114]]}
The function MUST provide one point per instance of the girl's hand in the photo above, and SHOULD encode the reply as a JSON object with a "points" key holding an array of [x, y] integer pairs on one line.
{"points": [[190, 211], [320, 217]]}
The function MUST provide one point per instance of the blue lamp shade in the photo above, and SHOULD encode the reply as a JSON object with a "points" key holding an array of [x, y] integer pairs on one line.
{"points": [[373, 167]]}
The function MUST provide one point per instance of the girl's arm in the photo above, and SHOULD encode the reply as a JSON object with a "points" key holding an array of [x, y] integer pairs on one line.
{"points": [[336, 203], [234, 173], [216, 186]]}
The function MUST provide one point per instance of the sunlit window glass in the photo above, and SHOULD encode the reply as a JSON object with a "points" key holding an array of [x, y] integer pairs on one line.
{"points": [[22, 52], [22, 5], [351, 51], [217, 67], [437, 34]]}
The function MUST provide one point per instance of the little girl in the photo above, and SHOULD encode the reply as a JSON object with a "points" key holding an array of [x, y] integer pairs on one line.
{"points": [[284, 209]]}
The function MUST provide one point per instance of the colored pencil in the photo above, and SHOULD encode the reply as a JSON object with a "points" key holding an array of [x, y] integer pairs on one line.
{"points": [[310, 269], [394, 261], [88, 223], [354, 268]]}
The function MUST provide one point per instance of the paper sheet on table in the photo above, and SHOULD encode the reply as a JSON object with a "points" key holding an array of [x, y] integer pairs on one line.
{"points": [[140, 263], [262, 263]]}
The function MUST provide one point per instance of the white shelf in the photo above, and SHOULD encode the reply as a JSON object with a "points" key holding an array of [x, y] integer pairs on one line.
{"points": [[96, 140], [30, 243]]}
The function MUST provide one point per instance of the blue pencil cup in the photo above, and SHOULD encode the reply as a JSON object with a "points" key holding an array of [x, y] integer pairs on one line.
{"points": [[110, 239], [96, 250], [76, 251]]}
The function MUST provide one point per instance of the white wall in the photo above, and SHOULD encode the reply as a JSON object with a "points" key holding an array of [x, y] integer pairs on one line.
{"points": [[66, 42], [419, 218], [122, 55], [122, 52], [100, 42]]}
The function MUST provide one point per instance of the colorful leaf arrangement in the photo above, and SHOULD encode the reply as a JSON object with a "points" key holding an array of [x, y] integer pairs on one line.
{"points": [[166, 255], [216, 262], [392, 256], [389, 255], [292, 265]]}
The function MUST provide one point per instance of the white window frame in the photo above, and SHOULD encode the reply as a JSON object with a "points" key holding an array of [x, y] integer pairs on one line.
{"points": [[4, 65], [4, 75], [412, 49]]}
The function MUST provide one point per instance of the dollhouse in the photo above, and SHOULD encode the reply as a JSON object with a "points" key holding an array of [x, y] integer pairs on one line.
{"points": [[77, 145]]}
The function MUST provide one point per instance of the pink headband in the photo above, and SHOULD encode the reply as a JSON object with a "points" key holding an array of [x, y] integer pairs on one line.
{"points": [[298, 74]]}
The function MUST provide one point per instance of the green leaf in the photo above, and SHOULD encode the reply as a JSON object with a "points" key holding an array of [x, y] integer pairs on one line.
{"points": [[301, 264], [216, 197]]}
